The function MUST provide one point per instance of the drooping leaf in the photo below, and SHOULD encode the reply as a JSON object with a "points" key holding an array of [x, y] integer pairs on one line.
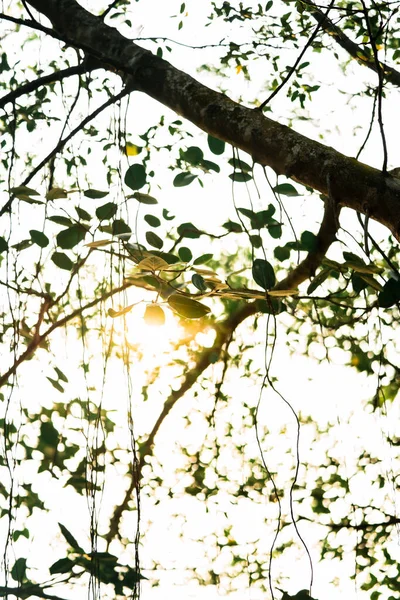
{"points": [[286, 189], [154, 240], [239, 165], [18, 572], [152, 220], [274, 229], [318, 280], [167, 216], [106, 211], [62, 261], [183, 179], [61, 375], [263, 273], [185, 254], [232, 226], [208, 165], [154, 315], [144, 198], [135, 177], [188, 230], [69, 238], [22, 245], [256, 241], [95, 194], [281, 253], [216, 146], [22, 192], [39, 238], [83, 214], [70, 538], [186, 307], [198, 282]]}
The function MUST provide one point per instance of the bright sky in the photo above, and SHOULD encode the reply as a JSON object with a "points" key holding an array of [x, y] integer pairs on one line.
{"points": [[328, 392]]}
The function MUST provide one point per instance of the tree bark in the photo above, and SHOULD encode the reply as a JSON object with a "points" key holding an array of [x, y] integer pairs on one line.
{"points": [[350, 183]]}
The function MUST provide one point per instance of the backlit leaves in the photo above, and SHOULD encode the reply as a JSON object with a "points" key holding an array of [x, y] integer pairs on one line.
{"points": [[186, 307], [263, 273], [135, 177]]}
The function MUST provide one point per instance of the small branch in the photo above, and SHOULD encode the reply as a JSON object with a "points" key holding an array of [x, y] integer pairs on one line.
{"points": [[61, 143], [389, 73], [31, 86], [38, 339], [32, 25]]}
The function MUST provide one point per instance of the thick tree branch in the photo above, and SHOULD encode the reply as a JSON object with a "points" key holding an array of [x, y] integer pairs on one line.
{"points": [[357, 186]]}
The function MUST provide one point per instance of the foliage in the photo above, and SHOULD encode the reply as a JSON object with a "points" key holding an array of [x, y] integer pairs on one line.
{"points": [[148, 265]]}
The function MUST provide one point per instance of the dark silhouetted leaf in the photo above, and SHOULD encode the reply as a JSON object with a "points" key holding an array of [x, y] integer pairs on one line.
{"points": [[185, 254], [144, 198], [135, 177], [106, 211], [183, 179], [263, 273], [82, 214], [193, 155], [154, 240], [201, 260], [18, 572], [240, 176], [56, 384], [70, 538], [318, 280], [232, 226], [3, 244], [216, 146], [152, 220], [120, 228], [63, 565], [281, 253], [95, 194], [167, 216], [60, 220], [390, 294], [199, 283], [69, 238], [188, 230], [62, 261], [39, 238], [286, 189]]}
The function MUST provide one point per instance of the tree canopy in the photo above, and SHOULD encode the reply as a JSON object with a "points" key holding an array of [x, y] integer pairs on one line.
{"points": [[196, 198]]}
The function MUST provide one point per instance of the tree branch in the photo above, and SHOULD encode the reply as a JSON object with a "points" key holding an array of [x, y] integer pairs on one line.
{"points": [[358, 186], [31, 86], [389, 74]]}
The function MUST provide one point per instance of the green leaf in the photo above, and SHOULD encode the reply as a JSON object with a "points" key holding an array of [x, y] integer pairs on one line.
{"points": [[256, 241], [70, 538], [20, 532], [3, 245], [49, 435], [318, 280], [22, 245], [135, 177], [95, 194], [193, 155], [358, 283], [183, 179], [120, 228], [188, 230], [186, 307], [240, 176], [185, 254], [281, 253], [239, 165], [167, 216], [152, 220], [82, 214], [144, 198], [106, 211], [153, 239], [204, 258], [39, 238], [60, 220], [22, 192], [154, 315], [199, 283], [232, 226], [275, 229], [56, 385], [69, 238], [63, 565], [61, 375], [263, 273], [250, 214], [286, 189], [216, 146], [62, 261], [18, 572], [308, 241], [390, 294], [208, 165]]}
